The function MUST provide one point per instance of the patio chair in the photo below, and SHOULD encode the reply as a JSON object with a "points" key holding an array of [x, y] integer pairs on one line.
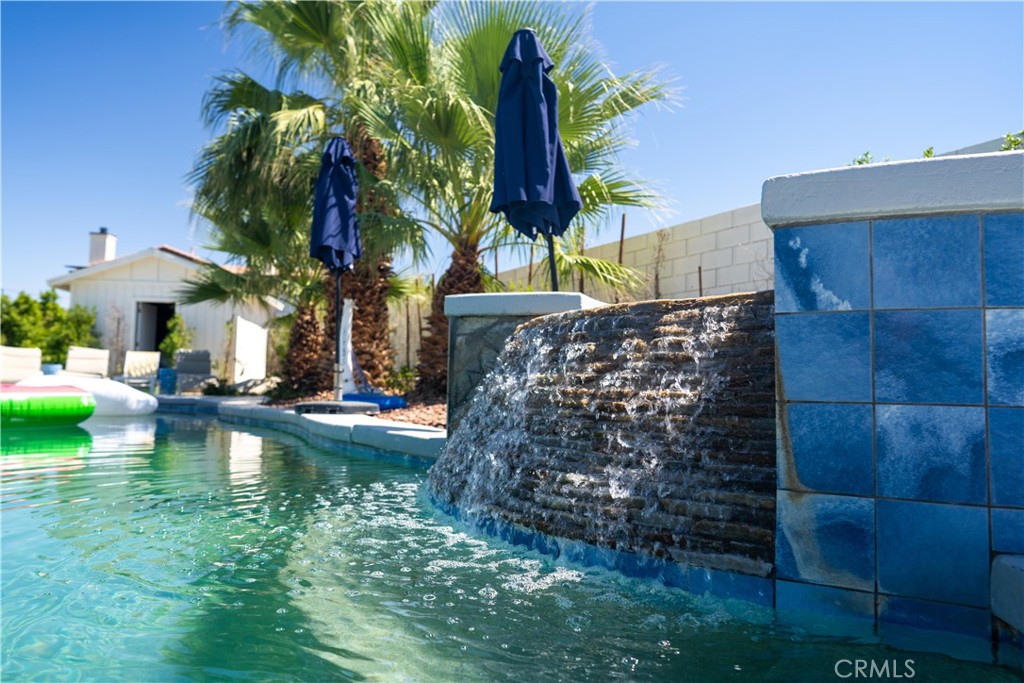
{"points": [[17, 363], [140, 368], [86, 362], [194, 370]]}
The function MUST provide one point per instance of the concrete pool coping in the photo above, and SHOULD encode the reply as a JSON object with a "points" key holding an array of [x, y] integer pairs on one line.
{"points": [[421, 442]]}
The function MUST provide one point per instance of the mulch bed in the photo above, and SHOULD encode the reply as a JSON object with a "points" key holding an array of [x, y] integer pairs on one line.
{"points": [[426, 412]]}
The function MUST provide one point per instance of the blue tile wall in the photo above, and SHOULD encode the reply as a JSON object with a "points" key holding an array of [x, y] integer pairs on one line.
{"points": [[930, 262], [901, 418], [929, 357], [1006, 453], [826, 600], [826, 610], [933, 453], [822, 268], [825, 356], [922, 614], [826, 539], [826, 447], [933, 551], [1007, 530], [1004, 259], [1004, 336]]}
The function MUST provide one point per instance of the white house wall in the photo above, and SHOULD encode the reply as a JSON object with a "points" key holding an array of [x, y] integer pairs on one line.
{"points": [[115, 292]]}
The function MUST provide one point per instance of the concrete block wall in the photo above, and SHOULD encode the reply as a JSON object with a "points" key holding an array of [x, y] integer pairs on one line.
{"points": [[733, 251], [900, 345]]}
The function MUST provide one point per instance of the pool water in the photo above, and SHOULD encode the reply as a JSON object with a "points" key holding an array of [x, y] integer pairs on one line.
{"points": [[179, 549]]}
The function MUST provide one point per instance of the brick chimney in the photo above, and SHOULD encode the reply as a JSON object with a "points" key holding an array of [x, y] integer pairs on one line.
{"points": [[102, 247]]}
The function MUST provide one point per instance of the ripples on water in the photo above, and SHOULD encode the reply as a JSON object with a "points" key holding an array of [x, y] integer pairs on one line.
{"points": [[177, 549]]}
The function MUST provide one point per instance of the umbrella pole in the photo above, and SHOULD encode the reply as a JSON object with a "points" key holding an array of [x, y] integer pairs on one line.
{"points": [[551, 261], [337, 338]]}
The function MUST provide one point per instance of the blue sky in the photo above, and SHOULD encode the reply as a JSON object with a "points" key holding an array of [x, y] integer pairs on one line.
{"points": [[99, 116]]}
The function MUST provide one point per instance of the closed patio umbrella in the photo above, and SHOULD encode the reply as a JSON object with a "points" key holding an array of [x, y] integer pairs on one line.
{"points": [[533, 185], [334, 238]]}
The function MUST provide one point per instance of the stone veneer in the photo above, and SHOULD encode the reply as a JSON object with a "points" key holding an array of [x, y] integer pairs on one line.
{"points": [[646, 428], [900, 329], [478, 327]]}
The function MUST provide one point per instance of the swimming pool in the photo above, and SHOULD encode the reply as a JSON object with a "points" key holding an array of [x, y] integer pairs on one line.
{"points": [[172, 549]]}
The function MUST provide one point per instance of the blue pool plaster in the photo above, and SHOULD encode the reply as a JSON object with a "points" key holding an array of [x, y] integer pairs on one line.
{"points": [[900, 342]]}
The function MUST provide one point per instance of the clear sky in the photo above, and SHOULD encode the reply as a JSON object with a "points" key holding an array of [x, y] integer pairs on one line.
{"points": [[99, 116]]}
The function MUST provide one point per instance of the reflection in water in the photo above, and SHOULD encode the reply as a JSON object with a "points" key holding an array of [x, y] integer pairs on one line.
{"points": [[123, 434], [244, 457], [211, 554]]}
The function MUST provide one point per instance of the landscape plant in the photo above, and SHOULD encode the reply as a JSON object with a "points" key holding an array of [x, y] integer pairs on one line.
{"points": [[437, 120], [43, 323]]}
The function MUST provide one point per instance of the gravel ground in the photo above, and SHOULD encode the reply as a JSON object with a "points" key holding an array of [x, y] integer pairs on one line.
{"points": [[425, 414]]}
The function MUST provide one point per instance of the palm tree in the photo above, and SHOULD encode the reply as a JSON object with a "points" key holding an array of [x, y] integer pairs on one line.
{"points": [[438, 121], [254, 186], [269, 158]]}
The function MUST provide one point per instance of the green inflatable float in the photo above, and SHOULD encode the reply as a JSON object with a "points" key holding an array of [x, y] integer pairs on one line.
{"points": [[22, 406]]}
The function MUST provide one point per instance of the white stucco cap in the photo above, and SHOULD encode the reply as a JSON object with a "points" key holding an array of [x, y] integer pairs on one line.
{"points": [[517, 303], [977, 182]]}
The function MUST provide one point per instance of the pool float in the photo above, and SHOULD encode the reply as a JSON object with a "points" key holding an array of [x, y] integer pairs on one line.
{"points": [[52, 406], [113, 399]]}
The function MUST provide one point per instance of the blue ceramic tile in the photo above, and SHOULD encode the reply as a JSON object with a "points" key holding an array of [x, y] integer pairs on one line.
{"points": [[931, 262], [824, 600], [1004, 332], [825, 610], [724, 584], [929, 357], [936, 616], [824, 356], [1006, 453], [934, 453], [822, 268], [826, 539], [1007, 530], [933, 551], [826, 447], [674, 575], [1004, 259]]}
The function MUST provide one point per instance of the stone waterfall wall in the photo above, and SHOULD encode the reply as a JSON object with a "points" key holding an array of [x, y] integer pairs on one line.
{"points": [[647, 428]]}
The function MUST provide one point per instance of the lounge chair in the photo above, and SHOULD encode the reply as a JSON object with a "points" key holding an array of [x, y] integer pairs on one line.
{"points": [[194, 370], [140, 369], [17, 363], [86, 362]]}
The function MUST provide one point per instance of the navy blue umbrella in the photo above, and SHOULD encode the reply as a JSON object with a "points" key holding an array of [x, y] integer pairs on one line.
{"points": [[533, 185], [335, 234], [334, 238]]}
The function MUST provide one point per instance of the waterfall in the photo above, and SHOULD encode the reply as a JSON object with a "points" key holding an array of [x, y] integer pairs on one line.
{"points": [[647, 428]]}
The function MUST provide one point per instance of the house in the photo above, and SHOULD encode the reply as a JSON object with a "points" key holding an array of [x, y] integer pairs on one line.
{"points": [[135, 296]]}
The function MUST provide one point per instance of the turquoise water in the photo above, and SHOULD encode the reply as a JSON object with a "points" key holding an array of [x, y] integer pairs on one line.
{"points": [[184, 550]]}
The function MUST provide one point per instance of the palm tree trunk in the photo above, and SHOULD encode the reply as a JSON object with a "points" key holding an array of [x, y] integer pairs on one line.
{"points": [[302, 371], [462, 277]]}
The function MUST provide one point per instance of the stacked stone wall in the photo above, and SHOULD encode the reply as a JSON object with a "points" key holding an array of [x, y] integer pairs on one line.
{"points": [[647, 428]]}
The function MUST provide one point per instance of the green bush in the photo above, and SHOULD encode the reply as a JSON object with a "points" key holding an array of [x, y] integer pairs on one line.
{"points": [[45, 324], [178, 337]]}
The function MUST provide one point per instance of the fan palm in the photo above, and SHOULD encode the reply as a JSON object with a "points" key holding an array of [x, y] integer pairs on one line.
{"points": [[438, 121], [254, 186], [268, 158]]}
